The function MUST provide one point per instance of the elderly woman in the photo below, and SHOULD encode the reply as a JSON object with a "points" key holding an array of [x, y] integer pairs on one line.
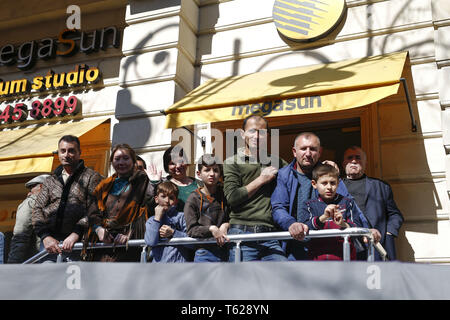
{"points": [[121, 208]]}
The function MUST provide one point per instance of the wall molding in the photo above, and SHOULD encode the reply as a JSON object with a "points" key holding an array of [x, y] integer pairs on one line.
{"points": [[416, 179], [319, 43]]}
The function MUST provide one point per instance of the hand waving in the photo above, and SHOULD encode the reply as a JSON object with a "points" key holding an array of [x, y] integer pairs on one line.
{"points": [[152, 173]]}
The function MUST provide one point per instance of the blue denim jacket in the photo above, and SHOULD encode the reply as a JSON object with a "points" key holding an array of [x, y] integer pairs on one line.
{"points": [[174, 219]]}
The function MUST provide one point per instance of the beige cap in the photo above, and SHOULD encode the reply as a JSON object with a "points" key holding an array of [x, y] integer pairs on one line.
{"points": [[36, 180]]}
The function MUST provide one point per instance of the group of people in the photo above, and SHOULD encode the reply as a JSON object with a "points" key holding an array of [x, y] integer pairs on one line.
{"points": [[243, 195]]}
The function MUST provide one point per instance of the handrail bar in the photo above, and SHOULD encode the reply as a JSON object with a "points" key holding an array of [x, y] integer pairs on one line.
{"points": [[278, 235]]}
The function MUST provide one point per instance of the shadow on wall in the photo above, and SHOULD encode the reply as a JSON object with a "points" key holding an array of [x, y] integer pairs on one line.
{"points": [[419, 201], [122, 133], [405, 251], [407, 167], [126, 109], [137, 7], [208, 17]]}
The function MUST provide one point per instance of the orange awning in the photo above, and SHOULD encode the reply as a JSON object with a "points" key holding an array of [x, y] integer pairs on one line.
{"points": [[30, 150]]}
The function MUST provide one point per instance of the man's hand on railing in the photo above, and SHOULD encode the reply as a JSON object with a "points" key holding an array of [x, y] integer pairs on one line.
{"points": [[51, 245], [375, 234], [121, 239], [69, 242], [298, 231]]}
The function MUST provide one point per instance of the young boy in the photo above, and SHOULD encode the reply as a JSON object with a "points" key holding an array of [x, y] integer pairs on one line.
{"points": [[167, 223], [205, 212], [329, 211]]}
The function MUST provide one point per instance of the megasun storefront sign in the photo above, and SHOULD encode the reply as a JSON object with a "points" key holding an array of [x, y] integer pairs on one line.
{"points": [[81, 75], [266, 108], [307, 20], [24, 57], [48, 108], [337, 101], [68, 43]]}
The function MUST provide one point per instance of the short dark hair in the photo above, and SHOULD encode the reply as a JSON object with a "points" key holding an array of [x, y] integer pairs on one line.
{"points": [[324, 169], [70, 139], [138, 158], [244, 123], [209, 159], [172, 152], [167, 188], [123, 146]]}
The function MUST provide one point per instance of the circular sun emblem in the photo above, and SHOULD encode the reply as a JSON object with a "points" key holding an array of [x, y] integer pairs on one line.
{"points": [[307, 20]]}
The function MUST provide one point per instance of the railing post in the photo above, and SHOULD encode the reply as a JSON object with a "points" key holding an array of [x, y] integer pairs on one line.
{"points": [[2, 246], [346, 248], [144, 254], [237, 252], [371, 252]]}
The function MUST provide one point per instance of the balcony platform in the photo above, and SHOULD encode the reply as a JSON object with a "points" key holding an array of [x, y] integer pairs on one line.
{"points": [[296, 280]]}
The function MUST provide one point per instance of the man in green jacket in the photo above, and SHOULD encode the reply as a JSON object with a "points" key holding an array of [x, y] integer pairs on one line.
{"points": [[248, 184]]}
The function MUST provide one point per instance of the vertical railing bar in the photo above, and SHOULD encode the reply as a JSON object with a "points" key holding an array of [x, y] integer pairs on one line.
{"points": [[371, 251], [144, 254], [346, 248], [237, 252]]}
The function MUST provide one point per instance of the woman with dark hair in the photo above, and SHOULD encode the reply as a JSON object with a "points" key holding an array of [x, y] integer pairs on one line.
{"points": [[175, 164], [121, 208]]}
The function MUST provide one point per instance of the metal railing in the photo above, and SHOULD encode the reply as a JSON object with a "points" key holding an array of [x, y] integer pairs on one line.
{"points": [[238, 239]]}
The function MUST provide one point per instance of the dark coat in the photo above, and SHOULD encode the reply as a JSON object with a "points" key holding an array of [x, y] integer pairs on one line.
{"points": [[381, 210], [62, 208]]}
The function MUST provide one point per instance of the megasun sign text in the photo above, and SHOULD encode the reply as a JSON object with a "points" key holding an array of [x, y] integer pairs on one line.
{"points": [[69, 41], [266, 108], [81, 75]]}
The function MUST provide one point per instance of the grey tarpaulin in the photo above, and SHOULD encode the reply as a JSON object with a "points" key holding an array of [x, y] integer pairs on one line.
{"points": [[220, 281]]}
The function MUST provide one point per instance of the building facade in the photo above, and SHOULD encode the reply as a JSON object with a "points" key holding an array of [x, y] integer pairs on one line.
{"points": [[132, 66]]}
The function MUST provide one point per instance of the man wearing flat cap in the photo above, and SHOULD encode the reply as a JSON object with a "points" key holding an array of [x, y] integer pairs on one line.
{"points": [[25, 243]]}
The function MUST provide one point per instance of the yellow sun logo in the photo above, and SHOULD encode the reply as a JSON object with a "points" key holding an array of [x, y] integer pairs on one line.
{"points": [[307, 20]]}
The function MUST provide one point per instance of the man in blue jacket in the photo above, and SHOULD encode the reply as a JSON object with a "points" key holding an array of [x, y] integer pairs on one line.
{"points": [[375, 199], [294, 188]]}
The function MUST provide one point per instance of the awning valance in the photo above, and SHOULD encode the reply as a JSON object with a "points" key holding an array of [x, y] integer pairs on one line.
{"points": [[302, 90], [30, 150]]}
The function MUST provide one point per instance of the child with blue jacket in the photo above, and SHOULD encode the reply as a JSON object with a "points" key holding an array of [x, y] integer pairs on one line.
{"points": [[330, 210], [167, 223]]}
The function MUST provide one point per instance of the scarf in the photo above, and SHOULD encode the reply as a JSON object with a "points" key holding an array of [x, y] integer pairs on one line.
{"points": [[133, 212]]}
